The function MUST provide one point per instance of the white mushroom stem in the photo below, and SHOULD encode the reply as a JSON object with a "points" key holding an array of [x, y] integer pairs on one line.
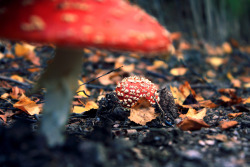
{"points": [[60, 82]]}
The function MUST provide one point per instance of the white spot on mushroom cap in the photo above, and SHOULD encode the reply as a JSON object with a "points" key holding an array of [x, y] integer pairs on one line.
{"points": [[69, 17], [36, 24]]}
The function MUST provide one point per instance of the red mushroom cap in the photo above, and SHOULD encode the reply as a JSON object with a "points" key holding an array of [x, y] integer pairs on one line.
{"points": [[131, 89], [111, 24]]}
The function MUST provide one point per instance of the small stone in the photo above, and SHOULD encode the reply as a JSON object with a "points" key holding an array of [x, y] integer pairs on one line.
{"points": [[210, 142]]}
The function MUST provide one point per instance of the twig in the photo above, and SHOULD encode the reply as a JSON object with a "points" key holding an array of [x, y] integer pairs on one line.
{"points": [[101, 75], [15, 81], [96, 79]]}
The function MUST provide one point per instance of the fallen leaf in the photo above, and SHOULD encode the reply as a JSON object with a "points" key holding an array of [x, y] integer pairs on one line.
{"points": [[82, 89], [190, 123], [17, 78], [234, 115], [227, 48], [21, 50], [16, 92], [227, 124], [179, 98], [175, 36], [245, 101], [27, 105], [89, 105], [227, 90], [178, 71], [216, 61], [142, 112], [6, 114], [5, 96], [220, 137]]}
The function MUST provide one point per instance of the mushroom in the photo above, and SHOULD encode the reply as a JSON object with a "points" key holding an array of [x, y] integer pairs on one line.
{"points": [[131, 89], [72, 25]]}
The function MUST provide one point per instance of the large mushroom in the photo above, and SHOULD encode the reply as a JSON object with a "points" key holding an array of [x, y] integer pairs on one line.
{"points": [[72, 25]]}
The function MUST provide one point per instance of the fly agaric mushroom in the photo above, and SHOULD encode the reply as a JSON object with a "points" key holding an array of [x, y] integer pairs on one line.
{"points": [[71, 25], [131, 89]]}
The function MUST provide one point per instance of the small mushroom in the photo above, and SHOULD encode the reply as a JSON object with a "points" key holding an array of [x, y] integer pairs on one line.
{"points": [[71, 25], [131, 89]]}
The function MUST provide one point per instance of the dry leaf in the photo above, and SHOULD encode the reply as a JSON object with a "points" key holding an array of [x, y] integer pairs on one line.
{"points": [[5, 96], [89, 105], [216, 61], [27, 105], [245, 101], [142, 112], [178, 71], [160, 64], [6, 115], [17, 78], [16, 92], [220, 137], [190, 123], [81, 89], [21, 50], [227, 124], [175, 36], [234, 115], [227, 48], [179, 98]]}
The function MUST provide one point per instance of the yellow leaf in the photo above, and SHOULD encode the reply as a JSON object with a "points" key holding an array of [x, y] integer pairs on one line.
{"points": [[27, 105], [178, 71], [89, 105], [160, 64], [142, 112], [216, 61], [179, 98], [81, 89]]}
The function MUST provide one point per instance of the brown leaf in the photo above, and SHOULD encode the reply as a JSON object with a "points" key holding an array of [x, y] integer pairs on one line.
{"points": [[16, 92], [27, 105], [220, 137], [142, 112], [227, 124], [234, 115], [190, 123], [6, 115]]}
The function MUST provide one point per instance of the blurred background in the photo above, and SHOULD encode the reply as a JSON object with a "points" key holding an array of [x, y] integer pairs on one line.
{"points": [[214, 21]]}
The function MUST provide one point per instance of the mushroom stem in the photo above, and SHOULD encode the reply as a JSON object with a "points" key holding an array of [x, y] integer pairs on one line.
{"points": [[60, 82]]}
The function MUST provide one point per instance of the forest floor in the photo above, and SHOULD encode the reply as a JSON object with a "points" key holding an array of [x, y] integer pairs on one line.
{"points": [[210, 86]]}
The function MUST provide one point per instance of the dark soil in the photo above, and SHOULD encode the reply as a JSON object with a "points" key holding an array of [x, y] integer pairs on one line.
{"points": [[105, 137]]}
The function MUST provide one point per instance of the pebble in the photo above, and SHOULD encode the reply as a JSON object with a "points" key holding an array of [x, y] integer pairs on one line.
{"points": [[210, 142], [192, 155], [202, 143]]}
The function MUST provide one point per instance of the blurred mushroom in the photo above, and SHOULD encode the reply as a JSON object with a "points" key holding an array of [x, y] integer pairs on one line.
{"points": [[71, 25]]}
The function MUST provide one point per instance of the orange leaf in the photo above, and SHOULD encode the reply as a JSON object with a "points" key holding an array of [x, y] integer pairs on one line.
{"points": [[227, 124], [190, 123], [16, 92], [142, 112], [17, 78], [234, 115], [27, 105], [5, 96], [6, 115]]}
